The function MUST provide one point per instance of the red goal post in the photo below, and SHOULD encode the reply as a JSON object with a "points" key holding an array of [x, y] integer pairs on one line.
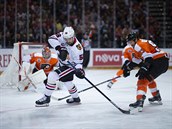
{"points": [[10, 76]]}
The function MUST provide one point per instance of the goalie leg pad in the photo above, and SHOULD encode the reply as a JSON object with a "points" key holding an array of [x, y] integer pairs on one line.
{"points": [[37, 77], [26, 68], [23, 84]]}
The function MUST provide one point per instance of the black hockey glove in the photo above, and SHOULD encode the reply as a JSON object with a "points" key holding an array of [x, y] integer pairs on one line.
{"points": [[127, 67], [63, 53], [80, 73], [58, 48], [144, 70], [126, 72]]}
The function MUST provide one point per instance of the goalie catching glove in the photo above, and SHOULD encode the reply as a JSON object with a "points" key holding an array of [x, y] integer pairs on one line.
{"points": [[80, 73]]}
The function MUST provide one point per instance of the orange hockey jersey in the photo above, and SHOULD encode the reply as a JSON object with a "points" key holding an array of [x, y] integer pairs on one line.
{"points": [[146, 48], [130, 54], [42, 63]]}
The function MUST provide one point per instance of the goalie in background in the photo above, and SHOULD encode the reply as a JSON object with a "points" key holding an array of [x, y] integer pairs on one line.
{"points": [[45, 60]]}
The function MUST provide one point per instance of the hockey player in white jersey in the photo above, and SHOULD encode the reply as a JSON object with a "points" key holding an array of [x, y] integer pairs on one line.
{"points": [[68, 49]]}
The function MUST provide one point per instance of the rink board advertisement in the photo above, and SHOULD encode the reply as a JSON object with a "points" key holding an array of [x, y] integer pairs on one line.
{"points": [[98, 57], [5, 57], [107, 58]]}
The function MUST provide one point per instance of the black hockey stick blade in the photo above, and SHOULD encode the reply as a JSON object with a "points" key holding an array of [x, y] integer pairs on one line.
{"points": [[123, 111]]}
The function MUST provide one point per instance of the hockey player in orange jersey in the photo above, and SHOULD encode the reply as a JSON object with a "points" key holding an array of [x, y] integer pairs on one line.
{"points": [[45, 60], [149, 70], [129, 61]]}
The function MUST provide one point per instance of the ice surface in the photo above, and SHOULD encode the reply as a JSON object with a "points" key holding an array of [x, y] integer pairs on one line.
{"points": [[18, 111]]}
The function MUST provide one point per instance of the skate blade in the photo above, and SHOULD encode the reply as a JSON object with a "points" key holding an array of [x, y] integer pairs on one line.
{"points": [[74, 103], [135, 110], [140, 109], [156, 102], [43, 105]]}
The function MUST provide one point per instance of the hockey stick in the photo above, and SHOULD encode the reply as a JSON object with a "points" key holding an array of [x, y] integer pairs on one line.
{"points": [[123, 111], [89, 88], [30, 81], [119, 73], [25, 73]]}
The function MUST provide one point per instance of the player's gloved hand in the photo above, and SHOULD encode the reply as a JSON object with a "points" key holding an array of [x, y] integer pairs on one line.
{"points": [[63, 53], [126, 72], [80, 73], [144, 70], [127, 67], [144, 73]]}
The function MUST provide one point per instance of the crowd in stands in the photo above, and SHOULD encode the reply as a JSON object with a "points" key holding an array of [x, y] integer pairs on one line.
{"points": [[122, 20]]}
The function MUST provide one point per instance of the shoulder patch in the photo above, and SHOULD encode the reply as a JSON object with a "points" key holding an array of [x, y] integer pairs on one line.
{"points": [[79, 47]]}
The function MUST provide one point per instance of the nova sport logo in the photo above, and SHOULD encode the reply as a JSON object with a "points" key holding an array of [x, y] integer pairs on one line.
{"points": [[107, 58]]}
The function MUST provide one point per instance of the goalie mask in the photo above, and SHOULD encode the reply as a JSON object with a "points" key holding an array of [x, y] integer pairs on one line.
{"points": [[46, 52]]}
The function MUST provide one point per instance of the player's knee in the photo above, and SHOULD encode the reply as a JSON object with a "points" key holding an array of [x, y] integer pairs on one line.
{"points": [[141, 82], [69, 85], [52, 77]]}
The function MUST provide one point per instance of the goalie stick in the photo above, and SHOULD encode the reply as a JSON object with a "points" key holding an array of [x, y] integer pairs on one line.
{"points": [[30, 81], [89, 87], [123, 111]]}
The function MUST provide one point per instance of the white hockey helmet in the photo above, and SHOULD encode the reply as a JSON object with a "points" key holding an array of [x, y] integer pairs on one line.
{"points": [[68, 33]]}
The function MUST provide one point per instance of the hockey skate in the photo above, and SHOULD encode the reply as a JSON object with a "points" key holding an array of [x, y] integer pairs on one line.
{"points": [[43, 102], [156, 98], [138, 105], [73, 100]]}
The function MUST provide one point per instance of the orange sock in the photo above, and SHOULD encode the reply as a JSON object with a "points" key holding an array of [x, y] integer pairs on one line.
{"points": [[153, 88], [141, 88]]}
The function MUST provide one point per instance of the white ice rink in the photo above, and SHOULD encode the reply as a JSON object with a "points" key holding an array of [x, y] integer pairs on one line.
{"points": [[18, 111]]}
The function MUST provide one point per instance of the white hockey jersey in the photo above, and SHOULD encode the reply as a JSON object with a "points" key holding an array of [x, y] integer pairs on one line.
{"points": [[75, 52]]}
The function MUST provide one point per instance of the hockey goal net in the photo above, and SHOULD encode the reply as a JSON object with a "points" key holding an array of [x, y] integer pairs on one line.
{"points": [[10, 76]]}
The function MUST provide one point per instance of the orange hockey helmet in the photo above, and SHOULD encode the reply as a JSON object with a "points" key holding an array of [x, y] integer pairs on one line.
{"points": [[46, 52]]}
